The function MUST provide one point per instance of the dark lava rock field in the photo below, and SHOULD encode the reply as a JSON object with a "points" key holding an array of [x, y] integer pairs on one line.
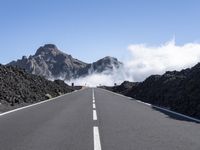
{"points": [[19, 88], [175, 90]]}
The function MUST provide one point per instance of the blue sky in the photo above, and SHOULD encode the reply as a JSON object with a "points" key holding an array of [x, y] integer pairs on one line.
{"points": [[92, 29]]}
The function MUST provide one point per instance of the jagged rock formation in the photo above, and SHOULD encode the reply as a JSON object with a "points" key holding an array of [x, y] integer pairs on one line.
{"points": [[50, 62], [18, 88], [105, 65]]}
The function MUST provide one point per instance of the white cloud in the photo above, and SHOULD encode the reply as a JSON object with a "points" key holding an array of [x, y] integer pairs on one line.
{"points": [[144, 60], [105, 78]]}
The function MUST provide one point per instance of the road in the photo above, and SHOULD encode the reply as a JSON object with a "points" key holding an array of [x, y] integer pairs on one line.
{"points": [[96, 119]]}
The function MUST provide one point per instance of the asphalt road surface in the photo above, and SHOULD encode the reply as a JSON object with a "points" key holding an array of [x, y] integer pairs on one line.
{"points": [[95, 119]]}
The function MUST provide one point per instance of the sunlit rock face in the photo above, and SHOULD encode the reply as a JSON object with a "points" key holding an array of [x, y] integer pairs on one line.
{"points": [[51, 62]]}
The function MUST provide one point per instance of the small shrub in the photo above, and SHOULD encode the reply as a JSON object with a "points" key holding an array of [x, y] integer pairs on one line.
{"points": [[48, 96]]}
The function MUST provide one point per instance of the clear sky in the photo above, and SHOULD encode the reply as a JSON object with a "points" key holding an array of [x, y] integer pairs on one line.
{"points": [[92, 29]]}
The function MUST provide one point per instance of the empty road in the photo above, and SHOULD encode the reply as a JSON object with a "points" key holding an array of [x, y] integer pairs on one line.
{"points": [[96, 119]]}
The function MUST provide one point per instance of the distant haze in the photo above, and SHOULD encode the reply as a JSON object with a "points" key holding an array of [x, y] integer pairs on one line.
{"points": [[144, 60]]}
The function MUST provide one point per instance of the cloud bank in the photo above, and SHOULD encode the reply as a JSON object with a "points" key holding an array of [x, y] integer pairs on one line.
{"points": [[143, 61], [108, 78], [146, 60]]}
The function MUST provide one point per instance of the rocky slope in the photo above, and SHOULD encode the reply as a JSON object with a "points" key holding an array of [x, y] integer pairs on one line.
{"points": [[175, 90], [18, 88], [50, 62], [123, 88]]}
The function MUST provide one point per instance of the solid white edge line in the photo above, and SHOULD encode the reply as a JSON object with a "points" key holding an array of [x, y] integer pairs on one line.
{"points": [[170, 111], [173, 112], [94, 115], [143, 103], [97, 142], [14, 110], [94, 106]]}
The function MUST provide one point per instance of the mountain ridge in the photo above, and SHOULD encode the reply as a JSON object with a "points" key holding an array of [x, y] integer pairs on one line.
{"points": [[50, 62]]}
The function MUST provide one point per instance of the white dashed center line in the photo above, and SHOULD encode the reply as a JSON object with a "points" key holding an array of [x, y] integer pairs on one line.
{"points": [[94, 106], [97, 143], [93, 94], [94, 115]]}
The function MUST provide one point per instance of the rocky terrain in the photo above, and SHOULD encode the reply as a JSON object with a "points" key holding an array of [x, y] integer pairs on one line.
{"points": [[50, 62], [123, 88], [175, 90], [18, 88]]}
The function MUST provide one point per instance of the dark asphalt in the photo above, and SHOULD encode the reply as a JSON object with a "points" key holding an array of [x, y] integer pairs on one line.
{"points": [[66, 123]]}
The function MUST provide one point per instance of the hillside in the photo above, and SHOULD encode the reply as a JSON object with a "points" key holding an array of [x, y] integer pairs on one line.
{"points": [[175, 90], [18, 88]]}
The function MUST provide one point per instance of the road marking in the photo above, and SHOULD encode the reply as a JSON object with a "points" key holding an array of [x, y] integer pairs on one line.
{"points": [[93, 94], [97, 143], [94, 115], [94, 106], [170, 111], [48, 100], [93, 97], [143, 103]]}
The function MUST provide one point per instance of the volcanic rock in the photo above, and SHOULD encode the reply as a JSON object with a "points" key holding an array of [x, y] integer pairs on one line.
{"points": [[18, 88]]}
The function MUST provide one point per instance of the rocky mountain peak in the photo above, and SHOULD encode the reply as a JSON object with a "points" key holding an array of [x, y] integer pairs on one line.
{"points": [[53, 46], [109, 61], [48, 49], [50, 62]]}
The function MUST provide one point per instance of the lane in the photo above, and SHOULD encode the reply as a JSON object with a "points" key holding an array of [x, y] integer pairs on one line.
{"points": [[65, 123], [96, 136], [94, 120], [125, 124]]}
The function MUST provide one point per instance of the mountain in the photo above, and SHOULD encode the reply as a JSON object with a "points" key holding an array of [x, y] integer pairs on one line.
{"points": [[175, 90], [104, 65], [19, 88], [50, 62]]}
